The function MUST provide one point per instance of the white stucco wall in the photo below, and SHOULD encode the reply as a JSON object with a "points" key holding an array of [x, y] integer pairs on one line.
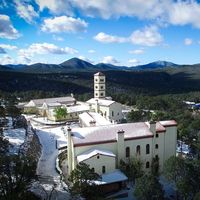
{"points": [[98, 161]]}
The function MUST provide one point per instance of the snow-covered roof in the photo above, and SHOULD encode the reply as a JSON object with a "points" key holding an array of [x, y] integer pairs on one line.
{"points": [[96, 118], [99, 74], [39, 102], [101, 102], [101, 134], [107, 133], [112, 177], [78, 108], [168, 123], [92, 152]]}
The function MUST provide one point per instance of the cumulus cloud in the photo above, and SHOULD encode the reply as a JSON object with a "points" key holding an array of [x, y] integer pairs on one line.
{"points": [[6, 28], [44, 48], [168, 11], [86, 59], [2, 51], [188, 41], [56, 6], [149, 36], [137, 51], [64, 24], [134, 62], [8, 46], [91, 51], [110, 60], [6, 60], [184, 12], [58, 38], [105, 38], [25, 11]]}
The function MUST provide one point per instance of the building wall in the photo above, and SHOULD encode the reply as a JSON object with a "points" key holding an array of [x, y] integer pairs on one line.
{"points": [[170, 142], [166, 142], [98, 161], [112, 112], [116, 108]]}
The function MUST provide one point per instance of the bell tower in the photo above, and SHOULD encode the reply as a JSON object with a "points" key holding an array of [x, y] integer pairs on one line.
{"points": [[99, 85]]}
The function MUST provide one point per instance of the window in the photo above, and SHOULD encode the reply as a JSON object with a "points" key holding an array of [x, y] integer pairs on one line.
{"points": [[101, 94], [147, 165], [97, 156], [96, 94], [127, 152], [112, 113], [96, 80], [147, 149], [101, 87], [103, 169], [96, 87], [157, 135], [138, 149], [156, 157], [156, 146], [101, 80], [105, 113]]}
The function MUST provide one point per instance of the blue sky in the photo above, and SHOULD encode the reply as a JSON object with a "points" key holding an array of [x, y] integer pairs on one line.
{"points": [[120, 32]]}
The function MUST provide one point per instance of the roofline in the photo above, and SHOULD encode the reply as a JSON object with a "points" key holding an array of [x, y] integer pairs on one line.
{"points": [[95, 155], [111, 141]]}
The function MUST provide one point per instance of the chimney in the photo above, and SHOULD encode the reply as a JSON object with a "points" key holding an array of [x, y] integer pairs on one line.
{"points": [[120, 146], [69, 150], [152, 127]]}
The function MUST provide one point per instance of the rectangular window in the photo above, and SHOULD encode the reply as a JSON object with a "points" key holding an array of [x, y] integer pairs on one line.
{"points": [[103, 169]]}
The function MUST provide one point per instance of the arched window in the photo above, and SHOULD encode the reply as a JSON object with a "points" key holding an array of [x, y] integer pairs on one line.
{"points": [[138, 149], [147, 164], [147, 149], [156, 146], [103, 169], [127, 152]]}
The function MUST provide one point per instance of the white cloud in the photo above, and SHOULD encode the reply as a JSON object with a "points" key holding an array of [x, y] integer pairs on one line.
{"points": [[110, 60], [91, 51], [149, 36], [180, 12], [6, 59], [86, 59], [184, 12], [6, 28], [26, 11], [7, 46], [107, 9], [134, 62], [45, 48], [137, 51], [58, 38], [64, 24], [188, 41], [105, 38], [56, 6], [2, 51]]}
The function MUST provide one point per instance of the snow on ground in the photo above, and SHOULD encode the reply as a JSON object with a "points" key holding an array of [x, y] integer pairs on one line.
{"points": [[16, 138], [46, 169]]}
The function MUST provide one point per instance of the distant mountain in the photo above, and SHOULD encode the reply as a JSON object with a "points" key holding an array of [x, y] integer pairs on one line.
{"points": [[78, 65], [5, 68], [154, 65]]}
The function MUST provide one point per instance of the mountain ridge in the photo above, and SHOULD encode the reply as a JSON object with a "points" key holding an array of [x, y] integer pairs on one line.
{"points": [[76, 64]]}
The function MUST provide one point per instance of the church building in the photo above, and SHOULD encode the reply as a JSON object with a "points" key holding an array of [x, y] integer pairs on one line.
{"points": [[108, 108]]}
